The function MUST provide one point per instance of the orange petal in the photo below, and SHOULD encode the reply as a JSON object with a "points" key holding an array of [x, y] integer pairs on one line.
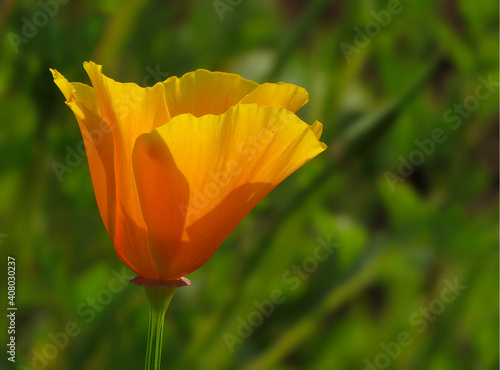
{"points": [[230, 162], [203, 92], [162, 187], [130, 111], [98, 143]]}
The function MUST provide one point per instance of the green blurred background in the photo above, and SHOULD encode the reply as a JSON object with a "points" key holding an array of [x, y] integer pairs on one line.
{"points": [[382, 77]]}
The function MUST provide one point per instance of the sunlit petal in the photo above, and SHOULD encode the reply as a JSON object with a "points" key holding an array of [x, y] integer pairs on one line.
{"points": [[130, 111], [230, 162], [99, 145], [288, 96], [203, 92]]}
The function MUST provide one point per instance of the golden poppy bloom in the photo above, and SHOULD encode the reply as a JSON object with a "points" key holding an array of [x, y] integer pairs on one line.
{"points": [[177, 166]]}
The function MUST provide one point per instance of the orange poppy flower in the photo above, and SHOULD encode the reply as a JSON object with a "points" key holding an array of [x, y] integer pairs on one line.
{"points": [[177, 166]]}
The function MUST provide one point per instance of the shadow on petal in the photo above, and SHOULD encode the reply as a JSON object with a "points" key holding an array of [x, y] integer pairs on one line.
{"points": [[162, 188], [131, 245], [204, 236]]}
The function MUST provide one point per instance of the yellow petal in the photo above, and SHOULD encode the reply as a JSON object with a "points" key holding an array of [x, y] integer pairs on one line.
{"points": [[130, 111], [229, 162], [76, 91], [203, 92], [288, 96], [98, 142], [317, 128]]}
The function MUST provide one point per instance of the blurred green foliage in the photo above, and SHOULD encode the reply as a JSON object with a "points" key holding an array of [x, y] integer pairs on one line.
{"points": [[401, 239]]}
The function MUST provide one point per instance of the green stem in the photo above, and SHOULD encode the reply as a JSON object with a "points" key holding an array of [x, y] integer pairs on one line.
{"points": [[159, 298]]}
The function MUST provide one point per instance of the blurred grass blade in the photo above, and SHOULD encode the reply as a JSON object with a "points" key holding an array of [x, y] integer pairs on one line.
{"points": [[117, 31], [341, 293], [372, 127], [312, 14]]}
